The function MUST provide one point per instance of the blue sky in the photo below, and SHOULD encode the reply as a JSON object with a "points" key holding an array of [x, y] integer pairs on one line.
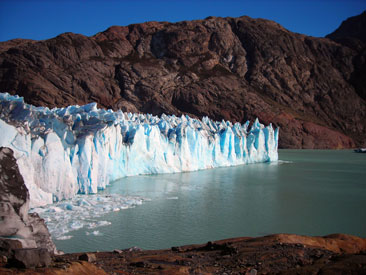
{"points": [[42, 19]]}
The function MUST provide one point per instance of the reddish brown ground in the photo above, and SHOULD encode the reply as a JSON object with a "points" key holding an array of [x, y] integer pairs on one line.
{"points": [[274, 254]]}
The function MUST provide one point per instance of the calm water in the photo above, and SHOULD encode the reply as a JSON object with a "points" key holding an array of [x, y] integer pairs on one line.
{"points": [[307, 192]]}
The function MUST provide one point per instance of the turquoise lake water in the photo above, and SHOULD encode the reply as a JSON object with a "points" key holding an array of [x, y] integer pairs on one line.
{"points": [[312, 192]]}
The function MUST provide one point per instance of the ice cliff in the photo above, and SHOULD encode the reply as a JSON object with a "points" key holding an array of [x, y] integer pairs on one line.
{"points": [[80, 149]]}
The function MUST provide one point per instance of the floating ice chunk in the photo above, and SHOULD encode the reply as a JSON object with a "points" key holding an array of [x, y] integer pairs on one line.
{"points": [[64, 237], [95, 233], [99, 224], [172, 198], [82, 212], [76, 225], [281, 162], [66, 151], [51, 210]]}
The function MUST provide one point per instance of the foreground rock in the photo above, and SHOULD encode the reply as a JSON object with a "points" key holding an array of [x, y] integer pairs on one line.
{"points": [[30, 257], [275, 254], [235, 69], [25, 240]]}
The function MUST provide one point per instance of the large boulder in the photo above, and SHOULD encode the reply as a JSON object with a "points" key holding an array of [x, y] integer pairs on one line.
{"points": [[30, 257], [22, 234]]}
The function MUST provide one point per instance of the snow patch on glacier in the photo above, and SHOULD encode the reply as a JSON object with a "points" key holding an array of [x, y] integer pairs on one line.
{"points": [[80, 149]]}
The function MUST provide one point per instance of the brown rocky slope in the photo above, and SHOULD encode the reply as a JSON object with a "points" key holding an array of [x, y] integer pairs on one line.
{"points": [[226, 68]]}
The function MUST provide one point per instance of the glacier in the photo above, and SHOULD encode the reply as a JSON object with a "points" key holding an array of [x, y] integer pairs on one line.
{"points": [[62, 152]]}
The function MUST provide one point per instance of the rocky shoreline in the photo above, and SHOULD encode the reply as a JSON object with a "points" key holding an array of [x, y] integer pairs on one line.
{"points": [[274, 254]]}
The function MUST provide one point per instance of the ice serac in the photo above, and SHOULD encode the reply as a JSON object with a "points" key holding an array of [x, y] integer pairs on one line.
{"points": [[80, 149]]}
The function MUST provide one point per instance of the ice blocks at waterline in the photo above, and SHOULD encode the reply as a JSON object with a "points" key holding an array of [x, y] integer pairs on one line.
{"points": [[80, 149]]}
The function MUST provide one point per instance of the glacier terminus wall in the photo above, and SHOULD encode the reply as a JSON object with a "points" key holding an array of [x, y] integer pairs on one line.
{"points": [[79, 149]]}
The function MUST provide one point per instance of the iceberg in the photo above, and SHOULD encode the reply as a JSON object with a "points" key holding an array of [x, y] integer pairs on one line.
{"points": [[62, 152]]}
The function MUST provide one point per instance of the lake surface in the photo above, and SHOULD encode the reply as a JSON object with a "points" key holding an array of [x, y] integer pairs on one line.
{"points": [[312, 192]]}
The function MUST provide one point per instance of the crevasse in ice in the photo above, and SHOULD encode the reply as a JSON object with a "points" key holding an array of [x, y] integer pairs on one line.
{"points": [[80, 149]]}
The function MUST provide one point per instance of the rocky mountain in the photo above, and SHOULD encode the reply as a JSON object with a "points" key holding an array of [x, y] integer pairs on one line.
{"points": [[225, 68], [352, 33]]}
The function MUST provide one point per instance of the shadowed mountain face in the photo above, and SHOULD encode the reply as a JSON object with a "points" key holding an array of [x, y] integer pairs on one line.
{"points": [[225, 68], [351, 30], [352, 33]]}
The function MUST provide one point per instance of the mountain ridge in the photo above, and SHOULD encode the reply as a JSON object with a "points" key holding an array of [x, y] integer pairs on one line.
{"points": [[225, 68]]}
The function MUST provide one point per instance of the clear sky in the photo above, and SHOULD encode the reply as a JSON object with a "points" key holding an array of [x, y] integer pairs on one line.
{"points": [[42, 19]]}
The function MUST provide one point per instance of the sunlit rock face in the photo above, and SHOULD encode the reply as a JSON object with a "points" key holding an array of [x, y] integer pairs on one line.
{"points": [[80, 149], [18, 228]]}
